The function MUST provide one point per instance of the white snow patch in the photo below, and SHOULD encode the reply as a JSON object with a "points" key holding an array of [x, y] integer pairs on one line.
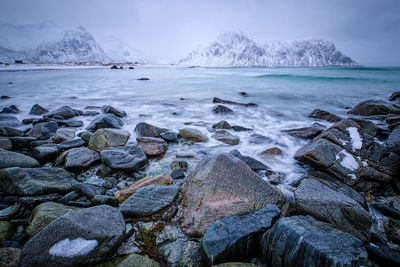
{"points": [[352, 176], [343, 142], [71, 248], [348, 161], [356, 140]]}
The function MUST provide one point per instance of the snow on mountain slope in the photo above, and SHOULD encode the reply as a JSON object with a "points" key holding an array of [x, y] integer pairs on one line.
{"points": [[237, 50], [48, 43]]}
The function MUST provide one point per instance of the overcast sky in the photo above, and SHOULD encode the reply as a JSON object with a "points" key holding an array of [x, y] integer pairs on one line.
{"points": [[366, 30]]}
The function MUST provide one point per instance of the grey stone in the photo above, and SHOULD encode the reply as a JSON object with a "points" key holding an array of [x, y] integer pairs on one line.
{"points": [[100, 230], [5, 143], [76, 159], [10, 109], [14, 159], [324, 115], [254, 164], [222, 125], [36, 181], [43, 130], [144, 129], [9, 121], [63, 134], [38, 110], [105, 121], [112, 110], [169, 136], [64, 112], [46, 152], [78, 142], [305, 133], [85, 135], [237, 237], [221, 109], [108, 137], [152, 146], [19, 142], [9, 132], [304, 241], [129, 158], [226, 137], [374, 107], [149, 200], [193, 135]]}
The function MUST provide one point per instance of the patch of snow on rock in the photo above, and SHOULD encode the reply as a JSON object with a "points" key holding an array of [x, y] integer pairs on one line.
{"points": [[71, 248], [348, 161], [356, 140]]}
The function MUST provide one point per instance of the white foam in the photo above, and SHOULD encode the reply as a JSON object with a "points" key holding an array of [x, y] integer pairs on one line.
{"points": [[356, 140], [71, 248], [348, 161]]}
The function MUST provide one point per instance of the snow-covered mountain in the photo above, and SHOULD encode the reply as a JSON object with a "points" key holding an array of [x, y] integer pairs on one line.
{"points": [[237, 50], [48, 43], [119, 51]]}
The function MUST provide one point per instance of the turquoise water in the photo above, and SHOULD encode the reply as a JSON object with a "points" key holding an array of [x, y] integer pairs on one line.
{"points": [[285, 97]]}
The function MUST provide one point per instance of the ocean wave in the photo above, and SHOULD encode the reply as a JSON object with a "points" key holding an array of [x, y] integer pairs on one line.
{"points": [[317, 78]]}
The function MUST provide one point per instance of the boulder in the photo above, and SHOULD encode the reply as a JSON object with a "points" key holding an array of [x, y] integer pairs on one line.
{"points": [[10, 132], [149, 200], [63, 134], [44, 214], [374, 107], [304, 241], [82, 237], [239, 128], [324, 115], [152, 146], [193, 135], [237, 237], [105, 121], [112, 110], [177, 174], [221, 101], [393, 141], [78, 142], [74, 124], [38, 110], [144, 129], [334, 207], [76, 159], [305, 133], [6, 231], [179, 164], [19, 142], [9, 121], [10, 109], [36, 181], [64, 112], [220, 186], [108, 137], [226, 137], [43, 130], [9, 257], [14, 159], [347, 153], [254, 164], [221, 109], [124, 194], [5, 143], [127, 158], [192, 254], [169, 136], [132, 260], [46, 153], [222, 125], [259, 139], [85, 135]]}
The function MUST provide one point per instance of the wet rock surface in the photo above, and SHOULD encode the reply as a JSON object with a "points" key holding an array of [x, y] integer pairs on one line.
{"points": [[129, 158]]}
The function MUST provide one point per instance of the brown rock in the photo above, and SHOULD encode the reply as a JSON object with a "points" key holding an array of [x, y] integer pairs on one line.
{"points": [[220, 186], [152, 146], [272, 151], [125, 193]]}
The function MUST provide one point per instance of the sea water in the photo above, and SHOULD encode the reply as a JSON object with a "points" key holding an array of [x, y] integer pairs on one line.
{"points": [[175, 96]]}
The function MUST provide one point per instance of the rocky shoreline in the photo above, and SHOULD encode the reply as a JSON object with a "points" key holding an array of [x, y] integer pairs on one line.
{"points": [[83, 198]]}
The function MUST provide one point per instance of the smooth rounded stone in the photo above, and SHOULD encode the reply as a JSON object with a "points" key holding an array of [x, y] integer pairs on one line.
{"points": [[108, 137], [221, 109], [9, 121], [82, 237], [238, 128], [324, 115], [112, 110], [237, 237], [305, 132], [149, 200], [193, 135], [85, 135], [19, 142], [38, 110], [83, 190], [259, 139], [46, 153], [254, 164], [179, 164], [374, 107], [143, 79], [144, 129], [71, 196], [128, 158], [74, 124], [334, 207], [10, 212], [221, 186], [229, 102], [393, 141], [5, 143], [6, 231], [63, 134], [169, 136], [192, 254], [152, 146], [44, 214], [304, 241], [10, 132], [36, 181], [78, 142], [10, 109], [222, 125], [76, 159], [9, 257], [14, 159], [33, 201], [105, 121], [124, 194], [43, 130], [177, 174], [103, 199], [226, 137], [132, 260], [90, 113], [64, 112], [37, 143], [273, 151]]}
